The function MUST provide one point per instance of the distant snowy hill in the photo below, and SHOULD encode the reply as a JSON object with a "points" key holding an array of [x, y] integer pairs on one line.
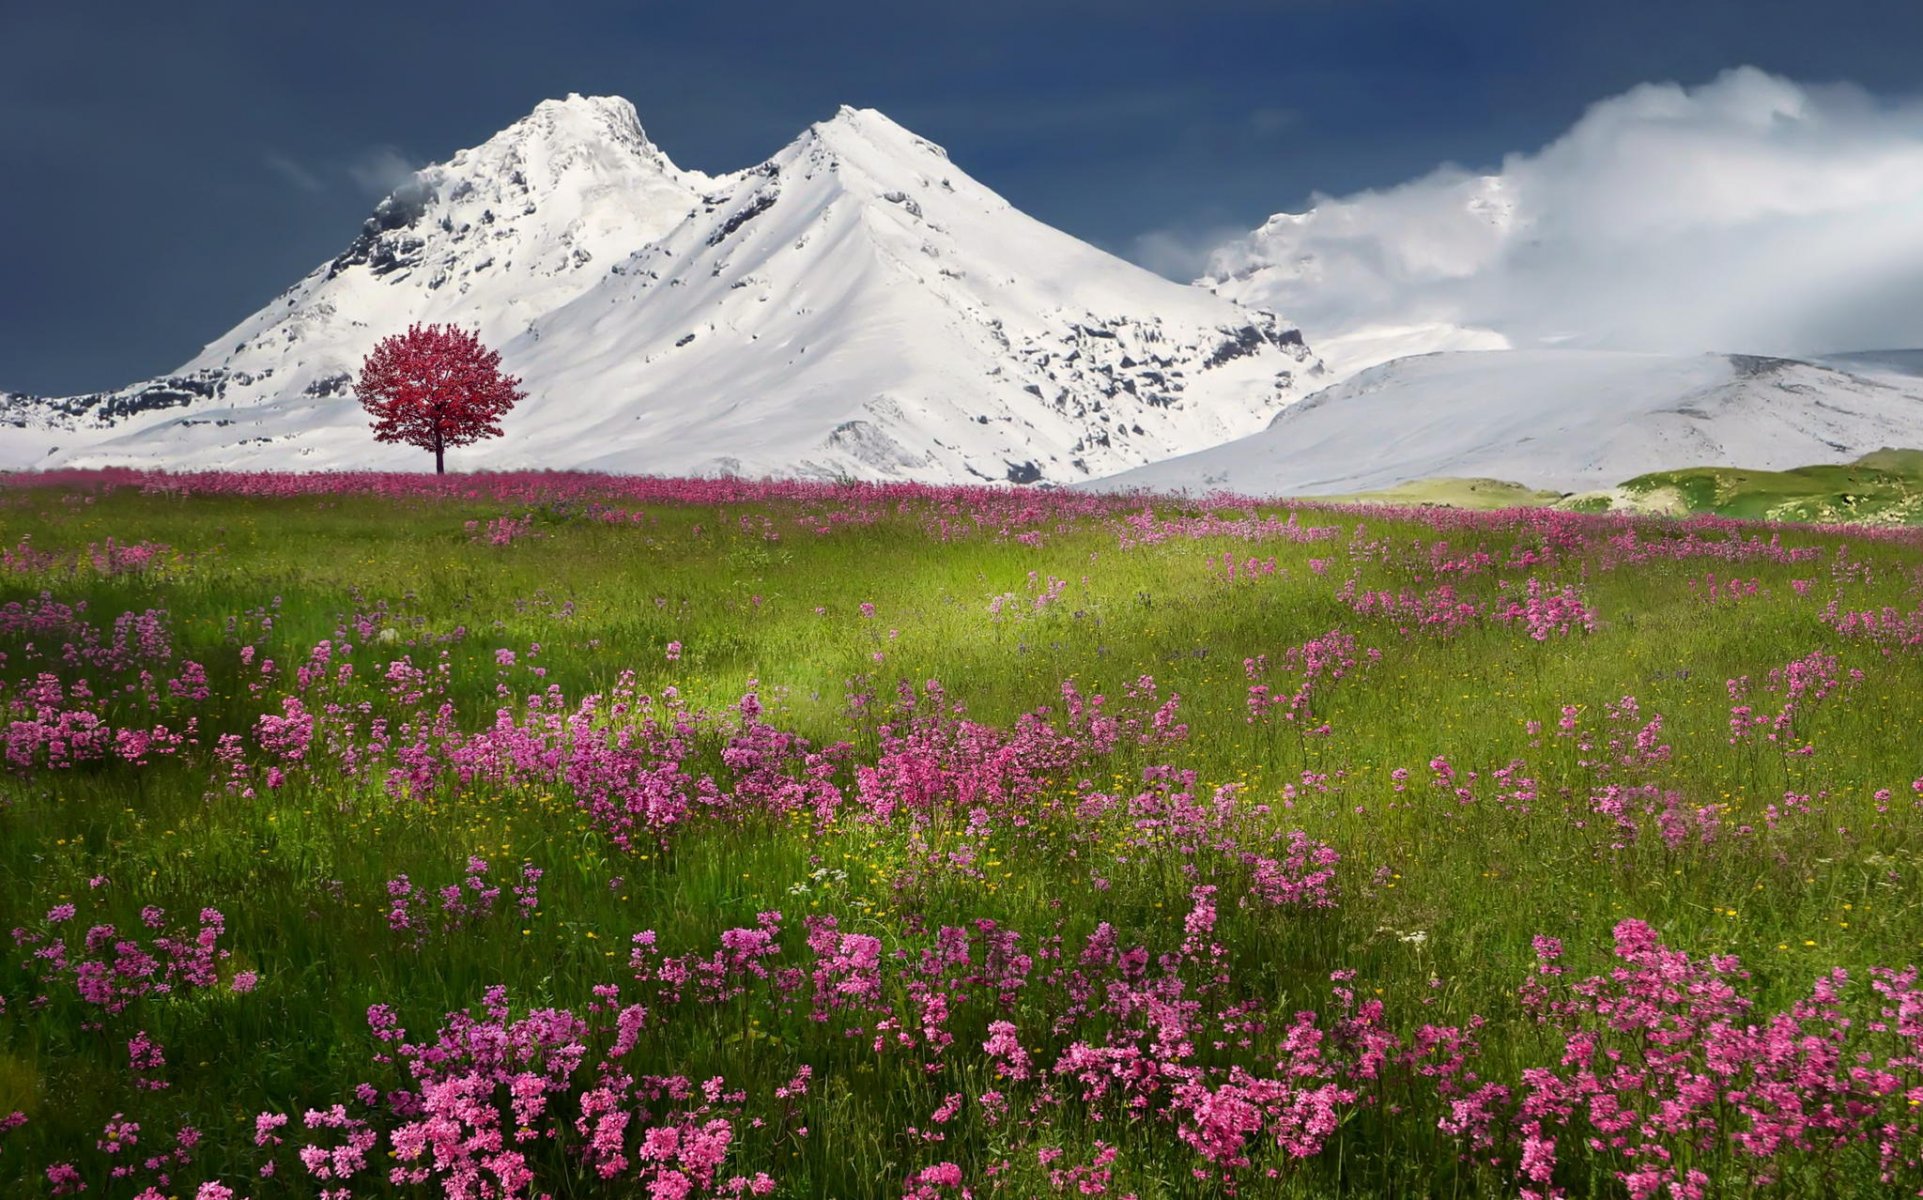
{"points": [[856, 305], [1565, 420]]}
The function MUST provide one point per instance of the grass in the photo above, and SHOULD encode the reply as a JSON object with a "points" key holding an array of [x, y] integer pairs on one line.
{"points": [[1478, 494], [1440, 897]]}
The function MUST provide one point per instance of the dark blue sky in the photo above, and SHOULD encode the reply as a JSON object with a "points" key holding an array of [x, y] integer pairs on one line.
{"points": [[170, 167]]}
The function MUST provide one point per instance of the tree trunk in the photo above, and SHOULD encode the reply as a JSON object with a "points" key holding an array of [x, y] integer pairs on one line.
{"points": [[440, 467]]}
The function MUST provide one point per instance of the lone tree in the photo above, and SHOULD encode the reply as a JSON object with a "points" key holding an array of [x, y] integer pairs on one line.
{"points": [[435, 386]]}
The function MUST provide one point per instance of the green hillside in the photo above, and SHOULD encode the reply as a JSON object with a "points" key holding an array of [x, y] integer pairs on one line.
{"points": [[1884, 487]]}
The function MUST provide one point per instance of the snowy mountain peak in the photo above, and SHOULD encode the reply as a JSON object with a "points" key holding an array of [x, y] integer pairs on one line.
{"points": [[494, 237], [590, 131], [852, 127], [618, 111], [870, 154]]}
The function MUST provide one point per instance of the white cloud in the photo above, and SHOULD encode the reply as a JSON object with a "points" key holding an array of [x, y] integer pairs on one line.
{"points": [[291, 171], [1179, 253], [380, 170], [1752, 213]]}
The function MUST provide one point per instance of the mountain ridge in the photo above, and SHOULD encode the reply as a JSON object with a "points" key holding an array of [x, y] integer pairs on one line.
{"points": [[853, 305]]}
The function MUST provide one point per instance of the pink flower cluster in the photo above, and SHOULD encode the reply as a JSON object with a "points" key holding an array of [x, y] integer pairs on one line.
{"points": [[1322, 663], [1549, 612], [1664, 1060], [109, 558], [419, 914], [105, 969], [120, 679], [502, 531]]}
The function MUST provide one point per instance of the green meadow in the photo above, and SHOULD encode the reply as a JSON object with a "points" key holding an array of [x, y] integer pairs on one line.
{"points": [[1476, 769]]}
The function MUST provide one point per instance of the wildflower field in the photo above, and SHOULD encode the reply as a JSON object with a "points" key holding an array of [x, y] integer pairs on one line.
{"points": [[520, 836]]}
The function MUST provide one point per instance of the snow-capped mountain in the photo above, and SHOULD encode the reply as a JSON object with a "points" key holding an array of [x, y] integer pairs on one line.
{"points": [[1565, 420], [856, 305]]}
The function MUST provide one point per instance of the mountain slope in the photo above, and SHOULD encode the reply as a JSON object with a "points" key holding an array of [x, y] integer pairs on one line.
{"points": [[856, 305], [1565, 420]]}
